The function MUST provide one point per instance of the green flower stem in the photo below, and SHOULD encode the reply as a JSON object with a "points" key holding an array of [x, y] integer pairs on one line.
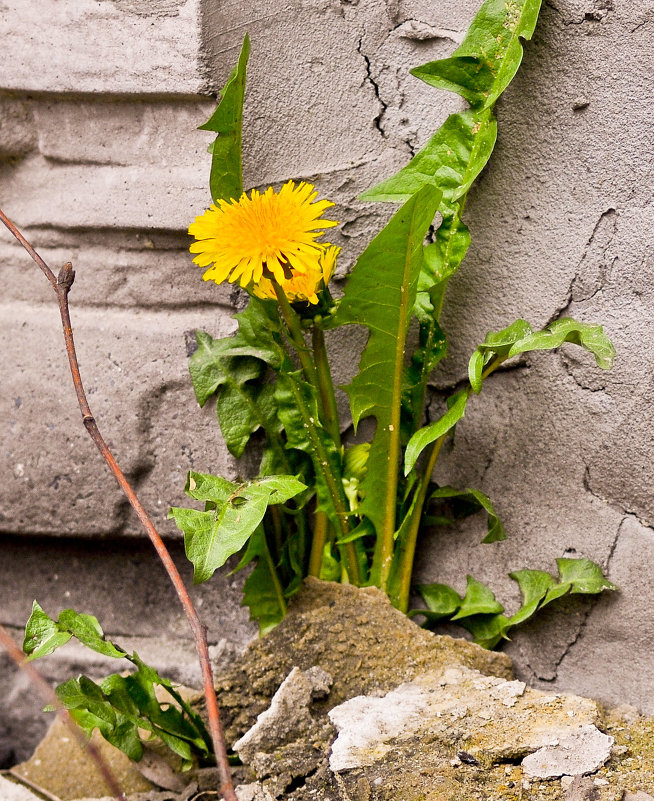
{"points": [[320, 529], [334, 483], [326, 385], [406, 554], [297, 337], [276, 515], [407, 549], [279, 590], [384, 553]]}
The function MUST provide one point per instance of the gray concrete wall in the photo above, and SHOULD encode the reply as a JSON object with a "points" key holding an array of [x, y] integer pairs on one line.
{"points": [[102, 165]]}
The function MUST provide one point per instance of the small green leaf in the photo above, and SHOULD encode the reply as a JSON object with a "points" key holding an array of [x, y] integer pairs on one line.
{"points": [[43, 635], [442, 601], [330, 567], [475, 369], [487, 630], [583, 575], [500, 343], [478, 600], [212, 536], [589, 336], [425, 436], [226, 181], [468, 76], [89, 632], [534, 586], [479, 500]]}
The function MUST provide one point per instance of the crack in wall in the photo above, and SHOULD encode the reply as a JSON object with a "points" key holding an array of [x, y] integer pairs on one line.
{"points": [[375, 87], [587, 613]]}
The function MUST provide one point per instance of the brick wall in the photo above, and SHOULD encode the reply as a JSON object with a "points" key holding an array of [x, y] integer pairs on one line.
{"points": [[101, 164]]}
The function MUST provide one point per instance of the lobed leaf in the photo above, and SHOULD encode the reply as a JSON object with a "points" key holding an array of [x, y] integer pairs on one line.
{"points": [[442, 601], [486, 61], [43, 635], [589, 336], [226, 179], [244, 404], [212, 536], [478, 600]]}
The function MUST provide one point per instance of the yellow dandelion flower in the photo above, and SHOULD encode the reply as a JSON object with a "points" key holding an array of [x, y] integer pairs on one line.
{"points": [[274, 231], [304, 286]]}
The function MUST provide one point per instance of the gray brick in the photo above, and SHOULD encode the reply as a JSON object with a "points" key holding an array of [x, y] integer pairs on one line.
{"points": [[118, 47], [135, 369]]}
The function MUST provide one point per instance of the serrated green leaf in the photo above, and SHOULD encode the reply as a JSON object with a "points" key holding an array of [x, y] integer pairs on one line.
{"points": [[583, 575], [380, 294], [450, 161], [244, 401], [442, 601], [212, 536], [478, 600], [534, 586], [500, 342], [486, 61], [468, 76], [589, 336], [425, 436], [496, 531], [43, 635], [89, 632], [226, 180], [487, 630]]}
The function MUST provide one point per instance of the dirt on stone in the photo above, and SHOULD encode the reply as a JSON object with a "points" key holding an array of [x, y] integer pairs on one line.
{"points": [[366, 645]]}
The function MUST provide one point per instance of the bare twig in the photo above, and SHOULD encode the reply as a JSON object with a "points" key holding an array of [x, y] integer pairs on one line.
{"points": [[61, 286], [48, 695]]}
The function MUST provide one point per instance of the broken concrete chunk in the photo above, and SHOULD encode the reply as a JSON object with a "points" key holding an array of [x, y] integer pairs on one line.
{"points": [[288, 714], [638, 796], [579, 753], [252, 792], [495, 719]]}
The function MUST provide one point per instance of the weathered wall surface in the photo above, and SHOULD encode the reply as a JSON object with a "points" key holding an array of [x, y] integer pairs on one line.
{"points": [[101, 165]]}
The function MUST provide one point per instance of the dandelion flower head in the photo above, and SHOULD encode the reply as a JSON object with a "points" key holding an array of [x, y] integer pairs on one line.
{"points": [[273, 231], [304, 286]]}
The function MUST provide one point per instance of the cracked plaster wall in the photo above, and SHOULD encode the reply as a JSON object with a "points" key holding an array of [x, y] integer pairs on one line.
{"points": [[101, 164]]}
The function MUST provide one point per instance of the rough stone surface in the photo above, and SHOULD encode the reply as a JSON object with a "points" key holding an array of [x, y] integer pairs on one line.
{"points": [[15, 792], [446, 732], [65, 769], [100, 162]]}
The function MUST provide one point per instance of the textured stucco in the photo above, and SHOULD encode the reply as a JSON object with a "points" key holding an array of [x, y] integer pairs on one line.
{"points": [[100, 162]]}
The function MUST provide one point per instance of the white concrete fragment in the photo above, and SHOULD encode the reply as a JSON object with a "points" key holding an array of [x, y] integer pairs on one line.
{"points": [[367, 725], [9, 791], [579, 753]]}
